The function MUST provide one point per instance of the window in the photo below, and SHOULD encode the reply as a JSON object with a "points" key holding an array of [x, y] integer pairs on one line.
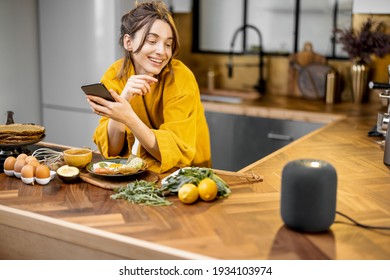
{"points": [[285, 25]]}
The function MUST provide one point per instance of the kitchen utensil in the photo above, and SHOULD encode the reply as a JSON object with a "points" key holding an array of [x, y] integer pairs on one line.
{"points": [[331, 88], [111, 183], [250, 177], [297, 62], [312, 80]]}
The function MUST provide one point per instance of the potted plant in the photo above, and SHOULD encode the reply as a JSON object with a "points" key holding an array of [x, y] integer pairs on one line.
{"points": [[360, 46]]}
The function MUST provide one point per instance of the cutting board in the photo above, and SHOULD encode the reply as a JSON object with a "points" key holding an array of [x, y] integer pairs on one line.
{"points": [[111, 183], [301, 61]]}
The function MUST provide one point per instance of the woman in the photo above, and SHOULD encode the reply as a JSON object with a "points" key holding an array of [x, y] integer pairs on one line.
{"points": [[159, 101]]}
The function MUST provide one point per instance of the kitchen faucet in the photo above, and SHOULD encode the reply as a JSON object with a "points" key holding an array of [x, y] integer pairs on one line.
{"points": [[260, 86]]}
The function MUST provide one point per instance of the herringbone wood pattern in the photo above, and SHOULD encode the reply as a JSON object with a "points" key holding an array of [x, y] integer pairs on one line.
{"points": [[247, 225]]}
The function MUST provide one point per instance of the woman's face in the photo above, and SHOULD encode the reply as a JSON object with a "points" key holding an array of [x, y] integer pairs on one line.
{"points": [[155, 53]]}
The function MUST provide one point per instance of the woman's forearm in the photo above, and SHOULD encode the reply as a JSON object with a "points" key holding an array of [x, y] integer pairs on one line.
{"points": [[116, 137], [144, 135], [148, 140]]}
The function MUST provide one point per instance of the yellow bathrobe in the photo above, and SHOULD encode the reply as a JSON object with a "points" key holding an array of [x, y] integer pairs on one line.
{"points": [[175, 114]]}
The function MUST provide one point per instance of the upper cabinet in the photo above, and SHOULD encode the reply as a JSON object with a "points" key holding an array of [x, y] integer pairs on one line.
{"points": [[180, 6], [285, 25], [379, 7]]}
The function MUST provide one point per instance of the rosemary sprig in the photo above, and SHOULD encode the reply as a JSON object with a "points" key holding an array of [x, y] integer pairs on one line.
{"points": [[142, 192]]}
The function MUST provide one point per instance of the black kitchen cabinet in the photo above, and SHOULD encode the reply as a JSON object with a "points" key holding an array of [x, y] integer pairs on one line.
{"points": [[237, 141]]}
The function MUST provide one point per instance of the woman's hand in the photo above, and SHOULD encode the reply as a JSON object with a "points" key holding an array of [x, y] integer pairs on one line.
{"points": [[118, 111], [121, 114], [121, 109], [137, 85]]}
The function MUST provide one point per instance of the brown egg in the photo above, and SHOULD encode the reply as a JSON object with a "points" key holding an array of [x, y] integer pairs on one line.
{"points": [[21, 156], [9, 163], [42, 172], [28, 171], [30, 158], [34, 163], [19, 163]]}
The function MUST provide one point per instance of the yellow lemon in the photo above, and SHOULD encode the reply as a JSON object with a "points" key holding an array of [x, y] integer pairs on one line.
{"points": [[207, 189], [188, 193]]}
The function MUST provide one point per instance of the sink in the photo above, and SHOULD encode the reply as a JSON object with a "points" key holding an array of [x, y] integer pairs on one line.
{"points": [[228, 96], [219, 98]]}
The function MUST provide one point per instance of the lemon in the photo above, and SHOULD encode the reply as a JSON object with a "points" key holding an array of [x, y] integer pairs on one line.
{"points": [[207, 189], [188, 193]]}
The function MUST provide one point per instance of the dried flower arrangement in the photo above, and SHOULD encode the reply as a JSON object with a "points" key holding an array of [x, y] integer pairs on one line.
{"points": [[370, 40]]}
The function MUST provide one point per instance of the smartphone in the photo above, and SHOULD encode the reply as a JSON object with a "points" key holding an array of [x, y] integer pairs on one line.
{"points": [[98, 89]]}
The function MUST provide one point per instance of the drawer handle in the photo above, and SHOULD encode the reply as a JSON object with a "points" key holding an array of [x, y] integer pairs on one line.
{"points": [[276, 136]]}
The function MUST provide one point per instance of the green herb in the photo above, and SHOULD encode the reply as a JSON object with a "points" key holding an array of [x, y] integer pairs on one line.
{"points": [[142, 192], [194, 175]]}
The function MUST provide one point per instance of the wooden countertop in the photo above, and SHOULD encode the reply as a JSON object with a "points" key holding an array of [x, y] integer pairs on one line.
{"points": [[290, 108], [80, 220]]}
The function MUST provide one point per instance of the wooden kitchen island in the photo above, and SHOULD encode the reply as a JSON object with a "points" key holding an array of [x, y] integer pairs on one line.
{"points": [[80, 221]]}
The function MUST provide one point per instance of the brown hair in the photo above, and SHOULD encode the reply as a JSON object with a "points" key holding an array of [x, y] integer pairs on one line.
{"points": [[145, 14]]}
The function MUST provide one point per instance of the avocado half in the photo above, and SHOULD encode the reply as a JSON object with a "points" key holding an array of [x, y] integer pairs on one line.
{"points": [[68, 174]]}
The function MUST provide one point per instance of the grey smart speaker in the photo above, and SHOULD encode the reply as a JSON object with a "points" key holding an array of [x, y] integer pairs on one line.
{"points": [[308, 195]]}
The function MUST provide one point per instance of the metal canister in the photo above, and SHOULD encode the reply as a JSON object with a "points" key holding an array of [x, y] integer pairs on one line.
{"points": [[386, 156]]}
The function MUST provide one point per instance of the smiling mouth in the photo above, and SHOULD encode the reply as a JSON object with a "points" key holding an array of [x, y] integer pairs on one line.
{"points": [[155, 60]]}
